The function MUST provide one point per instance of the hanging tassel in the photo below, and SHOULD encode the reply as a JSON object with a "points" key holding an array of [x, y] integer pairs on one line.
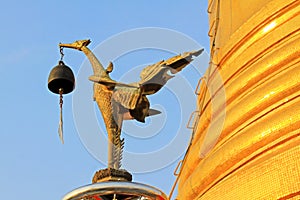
{"points": [[60, 126]]}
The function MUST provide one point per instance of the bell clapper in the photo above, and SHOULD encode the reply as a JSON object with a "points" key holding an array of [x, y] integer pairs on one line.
{"points": [[60, 126]]}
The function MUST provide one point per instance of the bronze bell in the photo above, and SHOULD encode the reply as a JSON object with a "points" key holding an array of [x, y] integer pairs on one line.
{"points": [[61, 81], [61, 78]]}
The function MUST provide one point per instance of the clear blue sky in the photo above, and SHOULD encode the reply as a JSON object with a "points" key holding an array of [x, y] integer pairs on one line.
{"points": [[34, 164]]}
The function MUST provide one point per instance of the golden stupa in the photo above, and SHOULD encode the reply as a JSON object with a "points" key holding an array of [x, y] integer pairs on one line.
{"points": [[246, 130]]}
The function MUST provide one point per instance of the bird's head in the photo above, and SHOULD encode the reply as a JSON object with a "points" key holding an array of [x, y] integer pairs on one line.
{"points": [[77, 44]]}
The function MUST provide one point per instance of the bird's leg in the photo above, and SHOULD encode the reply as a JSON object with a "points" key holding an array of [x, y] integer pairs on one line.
{"points": [[118, 147], [115, 148], [111, 148], [118, 143]]}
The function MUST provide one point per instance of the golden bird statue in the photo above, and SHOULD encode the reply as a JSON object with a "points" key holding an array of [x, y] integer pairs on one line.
{"points": [[119, 101]]}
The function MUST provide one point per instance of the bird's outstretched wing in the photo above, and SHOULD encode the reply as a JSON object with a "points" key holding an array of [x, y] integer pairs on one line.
{"points": [[154, 77]]}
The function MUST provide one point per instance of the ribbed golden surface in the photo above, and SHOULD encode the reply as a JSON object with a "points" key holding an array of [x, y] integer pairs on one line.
{"points": [[246, 142]]}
